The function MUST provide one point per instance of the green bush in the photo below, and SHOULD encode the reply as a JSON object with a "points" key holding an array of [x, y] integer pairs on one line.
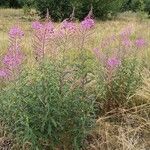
{"points": [[39, 112], [4, 3], [147, 6], [124, 83], [16, 3], [62, 9], [137, 5]]}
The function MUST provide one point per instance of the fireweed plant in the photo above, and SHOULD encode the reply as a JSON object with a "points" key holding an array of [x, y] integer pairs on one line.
{"points": [[14, 57], [118, 72], [51, 106]]}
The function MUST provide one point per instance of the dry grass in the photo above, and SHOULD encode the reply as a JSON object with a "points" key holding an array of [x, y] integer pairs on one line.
{"points": [[129, 130], [125, 129]]}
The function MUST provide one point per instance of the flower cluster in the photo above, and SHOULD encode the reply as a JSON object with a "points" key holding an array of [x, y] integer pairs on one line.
{"points": [[16, 32], [140, 42], [113, 63], [14, 57], [87, 23], [4, 73], [127, 42], [125, 37], [68, 25], [46, 29], [42, 34]]}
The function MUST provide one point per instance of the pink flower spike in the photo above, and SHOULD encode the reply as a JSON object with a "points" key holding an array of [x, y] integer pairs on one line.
{"points": [[68, 25], [126, 43], [13, 59], [16, 32], [3, 73], [37, 25], [140, 42], [49, 27], [113, 63], [87, 23], [126, 32]]}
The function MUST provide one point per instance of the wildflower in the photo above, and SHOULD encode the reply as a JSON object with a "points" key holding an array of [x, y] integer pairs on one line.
{"points": [[43, 31], [126, 42], [16, 32], [87, 23], [13, 59], [49, 27], [113, 63], [140, 42], [37, 25], [126, 32], [42, 34], [3, 73], [68, 25]]}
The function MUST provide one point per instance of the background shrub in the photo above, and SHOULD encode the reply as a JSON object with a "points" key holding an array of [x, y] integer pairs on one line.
{"points": [[16, 3], [62, 9], [137, 5], [147, 6]]}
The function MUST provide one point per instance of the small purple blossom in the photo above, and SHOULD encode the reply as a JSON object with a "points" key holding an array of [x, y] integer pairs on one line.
{"points": [[43, 31], [87, 23], [126, 42], [37, 25], [140, 42], [68, 25], [3, 73], [16, 32], [113, 63], [48, 27], [125, 33], [13, 59]]}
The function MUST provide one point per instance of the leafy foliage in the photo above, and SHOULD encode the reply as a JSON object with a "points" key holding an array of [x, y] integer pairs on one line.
{"points": [[62, 8], [37, 110]]}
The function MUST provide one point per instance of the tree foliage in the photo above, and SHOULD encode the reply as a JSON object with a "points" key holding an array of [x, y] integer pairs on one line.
{"points": [[61, 9]]}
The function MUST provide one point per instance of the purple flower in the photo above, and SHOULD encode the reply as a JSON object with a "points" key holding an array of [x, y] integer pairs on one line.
{"points": [[126, 32], [113, 63], [43, 31], [37, 25], [126, 42], [87, 23], [42, 34], [49, 27], [140, 42], [13, 59], [16, 32], [68, 25], [3, 73]]}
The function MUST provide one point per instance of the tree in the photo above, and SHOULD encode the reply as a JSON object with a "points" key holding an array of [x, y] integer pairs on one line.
{"points": [[61, 9]]}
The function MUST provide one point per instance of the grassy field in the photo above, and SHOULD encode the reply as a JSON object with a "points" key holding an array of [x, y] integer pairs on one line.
{"points": [[126, 127], [11, 17]]}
